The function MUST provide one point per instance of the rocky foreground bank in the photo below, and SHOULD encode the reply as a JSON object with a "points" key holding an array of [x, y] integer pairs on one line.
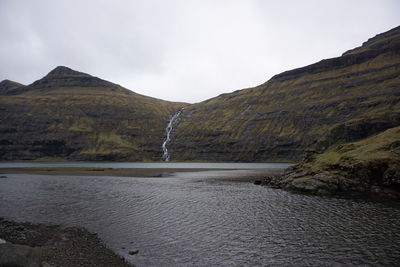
{"points": [[300, 180], [37, 245], [367, 167]]}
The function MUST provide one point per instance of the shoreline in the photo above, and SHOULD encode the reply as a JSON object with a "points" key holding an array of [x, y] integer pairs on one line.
{"points": [[300, 180], [247, 175], [28, 244], [288, 179], [89, 171]]}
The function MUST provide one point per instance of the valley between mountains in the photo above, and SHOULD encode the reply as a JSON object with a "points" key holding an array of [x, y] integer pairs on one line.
{"points": [[322, 114]]}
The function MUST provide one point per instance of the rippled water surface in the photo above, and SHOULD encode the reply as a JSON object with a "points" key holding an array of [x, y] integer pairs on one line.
{"points": [[196, 219], [158, 165]]}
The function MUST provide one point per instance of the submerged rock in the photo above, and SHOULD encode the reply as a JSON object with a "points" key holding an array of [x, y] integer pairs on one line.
{"points": [[133, 251]]}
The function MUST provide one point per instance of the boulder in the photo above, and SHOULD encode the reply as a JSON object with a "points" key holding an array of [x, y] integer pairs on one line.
{"points": [[133, 251]]}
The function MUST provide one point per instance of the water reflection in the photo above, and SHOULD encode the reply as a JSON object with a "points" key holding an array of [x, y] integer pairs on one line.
{"points": [[194, 219]]}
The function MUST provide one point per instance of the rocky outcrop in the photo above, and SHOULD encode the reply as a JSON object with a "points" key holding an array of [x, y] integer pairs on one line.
{"points": [[331, 183], [369, 166], [335, 100]]}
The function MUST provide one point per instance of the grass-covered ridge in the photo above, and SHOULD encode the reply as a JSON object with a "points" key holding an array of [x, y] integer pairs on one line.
{"points": [[384, 146], [332, 101]]}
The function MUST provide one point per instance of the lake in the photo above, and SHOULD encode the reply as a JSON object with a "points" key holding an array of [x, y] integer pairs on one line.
{"points": [[144, 165], [202, 219]]}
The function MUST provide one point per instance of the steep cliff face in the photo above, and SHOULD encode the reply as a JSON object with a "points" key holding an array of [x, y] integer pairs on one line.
{"points": [[75, 116], [341, 99]]}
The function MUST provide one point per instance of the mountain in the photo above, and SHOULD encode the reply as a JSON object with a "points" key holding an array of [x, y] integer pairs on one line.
{"points": [[70, 115], [342, 99], [9, 87]]}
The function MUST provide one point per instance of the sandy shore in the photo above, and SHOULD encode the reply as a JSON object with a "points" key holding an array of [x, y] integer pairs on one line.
{"points": [[48, 245], [245, 175]]}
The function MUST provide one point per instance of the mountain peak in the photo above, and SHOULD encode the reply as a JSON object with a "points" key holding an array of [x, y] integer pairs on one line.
{"points": [[62, 78], [7, 87], [381, 43], [9, 82], [384, 41], [65, 71]]}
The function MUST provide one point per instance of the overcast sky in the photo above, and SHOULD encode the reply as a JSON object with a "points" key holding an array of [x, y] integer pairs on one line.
{"points": [[182, 50]]}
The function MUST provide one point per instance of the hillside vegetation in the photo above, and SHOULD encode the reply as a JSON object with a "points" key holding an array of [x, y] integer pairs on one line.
{"points": [[69, 115], [336, 100], [383, 147]]}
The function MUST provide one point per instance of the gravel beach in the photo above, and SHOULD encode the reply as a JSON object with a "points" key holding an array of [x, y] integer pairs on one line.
{"points": [[34, 245]]}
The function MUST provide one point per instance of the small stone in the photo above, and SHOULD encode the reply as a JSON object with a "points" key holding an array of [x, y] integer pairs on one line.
{"points": [[257, 182], [2, 241], [133, 251]]}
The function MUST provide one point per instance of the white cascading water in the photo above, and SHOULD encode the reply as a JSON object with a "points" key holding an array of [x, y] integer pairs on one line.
{"points": [[166, 156]]}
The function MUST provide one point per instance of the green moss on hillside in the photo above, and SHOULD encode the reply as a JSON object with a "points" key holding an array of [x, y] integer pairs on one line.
{"points": [[75, 116], [336, 100], [381, 147]]}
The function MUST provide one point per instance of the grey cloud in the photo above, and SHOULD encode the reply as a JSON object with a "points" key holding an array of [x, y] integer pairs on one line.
{"points": [[182, 50]]}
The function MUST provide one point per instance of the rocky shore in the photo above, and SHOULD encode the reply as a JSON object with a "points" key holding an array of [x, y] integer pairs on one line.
{"points": [[330, 183], [370, 166], [26, 244]]}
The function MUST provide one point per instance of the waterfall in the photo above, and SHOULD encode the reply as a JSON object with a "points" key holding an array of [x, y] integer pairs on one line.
{"points": [[166, 156]]}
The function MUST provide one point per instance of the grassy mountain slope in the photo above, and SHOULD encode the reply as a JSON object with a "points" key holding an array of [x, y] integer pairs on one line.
{"points": [[75, 116], [336, 100]]}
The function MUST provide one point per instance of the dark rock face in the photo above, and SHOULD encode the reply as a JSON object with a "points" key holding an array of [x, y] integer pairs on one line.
{"points": [[324, 183], [336, 100], [356, 130]]}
